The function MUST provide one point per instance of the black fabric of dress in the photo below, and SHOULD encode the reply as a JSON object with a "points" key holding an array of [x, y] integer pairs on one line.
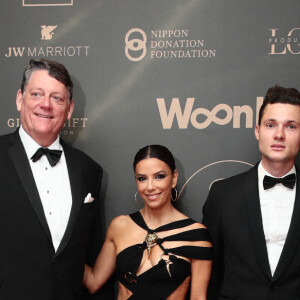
{"points": [[164, 278]]}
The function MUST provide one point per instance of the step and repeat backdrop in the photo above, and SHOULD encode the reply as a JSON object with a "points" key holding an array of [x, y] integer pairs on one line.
{"points": [[187, 74]]}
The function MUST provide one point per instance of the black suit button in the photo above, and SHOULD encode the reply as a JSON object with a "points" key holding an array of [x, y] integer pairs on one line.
{"points": [[274, 287]]}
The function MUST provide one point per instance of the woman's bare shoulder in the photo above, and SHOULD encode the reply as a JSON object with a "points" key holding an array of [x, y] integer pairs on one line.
{"points": [[195, 225], [199, 225], [120, 221]]}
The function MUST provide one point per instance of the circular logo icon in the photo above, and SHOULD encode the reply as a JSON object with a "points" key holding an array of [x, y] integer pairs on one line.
{"points": [[135, 44], [194, 191]]}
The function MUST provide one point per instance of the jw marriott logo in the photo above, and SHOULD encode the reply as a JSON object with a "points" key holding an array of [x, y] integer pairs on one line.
{"points": [[47, 34]]}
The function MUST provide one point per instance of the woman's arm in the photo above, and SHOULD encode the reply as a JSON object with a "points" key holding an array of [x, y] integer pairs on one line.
{"points": [[201, 270], [94, 278]]}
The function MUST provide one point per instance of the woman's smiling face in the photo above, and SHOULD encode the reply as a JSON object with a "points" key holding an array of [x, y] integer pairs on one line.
{"points": [[155, 181]]}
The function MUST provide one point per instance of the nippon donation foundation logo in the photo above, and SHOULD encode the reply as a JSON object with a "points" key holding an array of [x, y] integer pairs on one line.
{"points": [[135, 44], [165, 44], [285, 43]]}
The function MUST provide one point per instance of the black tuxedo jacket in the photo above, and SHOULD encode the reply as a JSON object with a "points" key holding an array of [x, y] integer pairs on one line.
{"points": [[241, 267], [29, 266]]}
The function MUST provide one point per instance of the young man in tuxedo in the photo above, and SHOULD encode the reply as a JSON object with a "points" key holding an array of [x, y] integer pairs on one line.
{"points": [[50, 207], [254, 217]]}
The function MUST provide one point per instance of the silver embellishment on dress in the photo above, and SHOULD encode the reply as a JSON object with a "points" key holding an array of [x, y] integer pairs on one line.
{"points": [[167, 261], [150, 240]]}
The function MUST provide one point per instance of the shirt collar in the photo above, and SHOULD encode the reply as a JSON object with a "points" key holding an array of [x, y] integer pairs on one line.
{"points": [[31, 145], [262, 172]]}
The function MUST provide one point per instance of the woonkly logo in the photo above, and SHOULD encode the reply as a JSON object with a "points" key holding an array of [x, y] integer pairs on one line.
{"points": [[135, 48], [47, 32], [186, 114]]}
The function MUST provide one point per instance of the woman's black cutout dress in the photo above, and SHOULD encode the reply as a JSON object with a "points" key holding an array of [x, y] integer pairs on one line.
{"points": [[164, 278]]}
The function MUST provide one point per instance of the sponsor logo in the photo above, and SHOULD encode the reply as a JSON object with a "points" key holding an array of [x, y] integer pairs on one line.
{"points": [[288, 43], [190, 115], [226, 168], [47, 35], [47, 32], [47, 2], [135, 48], [71, 127], [165, 44], [200, 182]]}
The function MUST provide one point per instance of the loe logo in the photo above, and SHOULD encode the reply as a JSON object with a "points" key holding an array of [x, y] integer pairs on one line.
{"points": [[135, 44], [285, 44], [189, 114], [47, 32]]}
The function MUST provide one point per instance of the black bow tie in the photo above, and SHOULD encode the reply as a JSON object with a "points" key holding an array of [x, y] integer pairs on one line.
{"points": [[52, 155], [288, 181]]}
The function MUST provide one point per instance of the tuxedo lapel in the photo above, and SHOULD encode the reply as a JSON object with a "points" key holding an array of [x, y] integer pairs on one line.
{"points": [[74, 170], [293, 236], [18, 156], [255, 220]]}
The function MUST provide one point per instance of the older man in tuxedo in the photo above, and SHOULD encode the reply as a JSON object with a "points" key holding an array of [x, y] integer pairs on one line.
{"points": [[254, 217], [50, 207]]}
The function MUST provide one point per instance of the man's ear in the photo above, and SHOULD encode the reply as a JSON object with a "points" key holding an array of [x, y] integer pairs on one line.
{"points": [[19, 100], [256, 131], [71, 109]]}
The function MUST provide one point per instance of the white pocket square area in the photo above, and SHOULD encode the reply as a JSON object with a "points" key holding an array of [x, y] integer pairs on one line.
{"points": [[88, 198]]}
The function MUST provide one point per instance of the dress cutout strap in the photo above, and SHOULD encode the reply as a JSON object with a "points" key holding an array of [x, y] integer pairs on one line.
{"points": [[139, 220]]}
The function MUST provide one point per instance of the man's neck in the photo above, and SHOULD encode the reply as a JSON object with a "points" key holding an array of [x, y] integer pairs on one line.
{"points": [[277, 169], [44, 141]]}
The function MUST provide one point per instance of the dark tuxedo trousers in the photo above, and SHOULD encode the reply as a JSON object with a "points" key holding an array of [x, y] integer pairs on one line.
{"points": [[29, 266], [241, 268]]}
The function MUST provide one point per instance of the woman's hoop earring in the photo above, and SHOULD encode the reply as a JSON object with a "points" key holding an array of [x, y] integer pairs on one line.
{"points": [[176, 194], [136, 200]]}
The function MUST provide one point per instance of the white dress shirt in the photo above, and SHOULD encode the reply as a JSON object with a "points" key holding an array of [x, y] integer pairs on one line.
{"points": [[53, 185], [277, 204]]}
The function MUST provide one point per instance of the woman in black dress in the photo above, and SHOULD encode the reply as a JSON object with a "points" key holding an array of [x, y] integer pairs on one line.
{"points": [[157, 252]]}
